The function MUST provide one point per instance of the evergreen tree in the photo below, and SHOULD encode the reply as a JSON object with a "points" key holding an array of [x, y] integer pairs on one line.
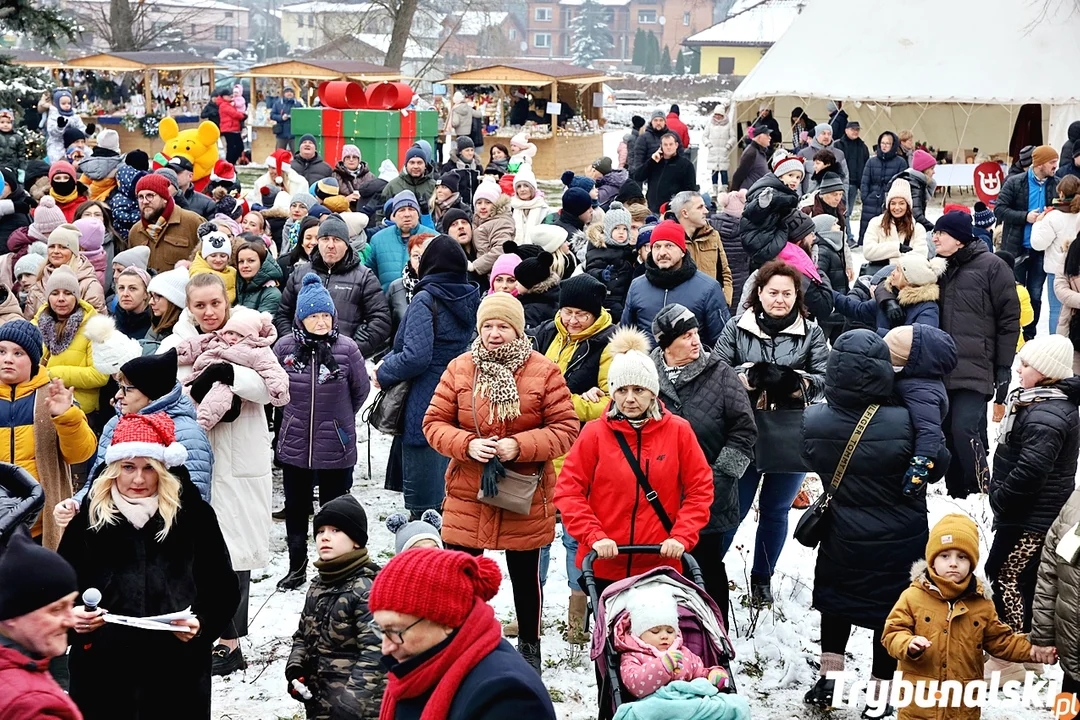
{"points": [[680, 66], [641, 48], [695, 61], [591, 39], [651, 55], [665, 62]]}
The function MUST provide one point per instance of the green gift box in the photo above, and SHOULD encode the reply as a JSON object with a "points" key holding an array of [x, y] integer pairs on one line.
{"points": [[368, 123], [307, 121], [427, 123], [375, 150]]}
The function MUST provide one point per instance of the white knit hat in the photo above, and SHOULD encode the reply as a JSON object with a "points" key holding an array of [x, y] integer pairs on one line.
{"points": [[784, 162], [138, 256], [548, 237], [1051, 355], [31, 262], [525, 175], [901, 189], [631, 364], [651, 606], [110, 348], [918, 270], [171, 285], [67, 235], [215, 242]]}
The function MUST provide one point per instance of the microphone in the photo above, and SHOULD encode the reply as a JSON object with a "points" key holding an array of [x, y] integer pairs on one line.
{"points": [[91, 597]]}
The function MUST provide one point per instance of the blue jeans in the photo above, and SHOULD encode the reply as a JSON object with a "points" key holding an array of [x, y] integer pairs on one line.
{"points": [[722, 176], [545, 562], [1054, 304], [1029, 273], [424, 477], [573, 575], [778, 491]]}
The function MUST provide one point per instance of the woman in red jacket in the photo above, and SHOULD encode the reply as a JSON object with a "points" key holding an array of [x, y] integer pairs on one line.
{"points": [[665, 449], [231, 123]]}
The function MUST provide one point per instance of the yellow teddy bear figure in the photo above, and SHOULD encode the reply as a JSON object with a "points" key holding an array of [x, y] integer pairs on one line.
{"points": [[199, 145]]}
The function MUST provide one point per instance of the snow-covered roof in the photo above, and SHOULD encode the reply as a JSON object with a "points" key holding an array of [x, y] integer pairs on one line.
{"points": [[320, 6], [197, 4], [381, 42], [476, 21], [902, 63], [598, 2], [760, 24]]}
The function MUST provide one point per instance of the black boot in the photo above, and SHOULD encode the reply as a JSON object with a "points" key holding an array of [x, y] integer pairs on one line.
{"points": [[821, 695], [226, 662], [760, 592], [531, 653], [297, 568]]}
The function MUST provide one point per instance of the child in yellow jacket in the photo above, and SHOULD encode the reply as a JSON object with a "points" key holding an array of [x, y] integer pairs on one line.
{"points": [[214, 256], [940, 626]]}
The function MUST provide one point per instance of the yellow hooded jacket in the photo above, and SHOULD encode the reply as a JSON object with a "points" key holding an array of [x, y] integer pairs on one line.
{"points": [[199, 265], [75, 365]]}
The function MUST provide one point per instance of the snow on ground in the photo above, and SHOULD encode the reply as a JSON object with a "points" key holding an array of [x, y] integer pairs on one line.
{"points": [[775, 650]]}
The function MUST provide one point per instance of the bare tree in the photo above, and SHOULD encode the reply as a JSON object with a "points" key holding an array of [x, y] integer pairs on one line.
{"points": [[403, 17], [132, 25]]}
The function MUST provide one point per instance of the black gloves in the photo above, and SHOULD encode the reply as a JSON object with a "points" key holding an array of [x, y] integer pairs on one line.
{"points": [[61, 121], [234, 411], [904, 248], [763, 375], [295, 672], [777, 380], [22, 205], [893, 312], [91, 128], [218, 372], [1002, 374]]}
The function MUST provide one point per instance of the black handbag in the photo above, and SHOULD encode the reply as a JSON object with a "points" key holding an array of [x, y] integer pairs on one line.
{"points": [[387, 413], [779, 438], [811, 527]]}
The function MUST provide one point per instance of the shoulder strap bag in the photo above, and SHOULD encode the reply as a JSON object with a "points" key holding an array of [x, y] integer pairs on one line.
{"points": [[811, 527], [514, 491], [643, 483], [387, 413]]}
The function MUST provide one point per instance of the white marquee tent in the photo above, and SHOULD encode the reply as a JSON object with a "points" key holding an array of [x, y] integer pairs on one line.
{"points": [[955, 72]]}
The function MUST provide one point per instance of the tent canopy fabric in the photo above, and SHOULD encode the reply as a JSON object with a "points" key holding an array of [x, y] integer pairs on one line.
{"points": [[1008, 52]]}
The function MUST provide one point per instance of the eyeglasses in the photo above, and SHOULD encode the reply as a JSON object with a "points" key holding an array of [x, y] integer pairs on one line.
{"points": [[396, 636], [125, 389], [153, 296], [580, 316]]}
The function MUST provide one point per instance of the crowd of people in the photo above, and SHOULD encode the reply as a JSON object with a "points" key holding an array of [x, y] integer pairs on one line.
{"points": [[639, 362]]}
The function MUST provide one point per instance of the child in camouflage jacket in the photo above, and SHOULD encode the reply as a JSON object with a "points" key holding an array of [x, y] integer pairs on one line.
{"points": [[336, 653]]}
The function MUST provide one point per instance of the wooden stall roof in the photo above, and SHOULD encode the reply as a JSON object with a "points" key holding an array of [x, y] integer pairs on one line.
{"points": [[31, 58], [311, 69], [133, 61], [528, 73]]}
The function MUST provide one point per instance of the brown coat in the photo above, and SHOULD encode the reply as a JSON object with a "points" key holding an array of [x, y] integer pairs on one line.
{"points": [[709, 256], [545, 430], [490, 234], [177, 243], [959, 634]]}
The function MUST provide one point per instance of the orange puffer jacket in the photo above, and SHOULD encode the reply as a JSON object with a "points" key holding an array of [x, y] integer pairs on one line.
{"points": [[545, 430]]}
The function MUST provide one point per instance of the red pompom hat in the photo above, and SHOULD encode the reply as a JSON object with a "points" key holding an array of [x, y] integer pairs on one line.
{"points": [[438, 585], [149, 436]]}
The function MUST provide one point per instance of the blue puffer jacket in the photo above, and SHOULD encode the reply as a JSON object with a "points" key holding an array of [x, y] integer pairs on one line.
{"points": [[424, 346], [920, 306], [178, 406], [318, 426], [686, 285]]}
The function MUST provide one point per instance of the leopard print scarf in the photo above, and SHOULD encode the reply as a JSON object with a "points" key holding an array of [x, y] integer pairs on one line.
{"points": [[57, 344], [495, 376]]}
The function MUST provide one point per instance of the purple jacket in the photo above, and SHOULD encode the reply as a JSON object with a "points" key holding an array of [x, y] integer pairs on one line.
{"points": [[325, 439]]}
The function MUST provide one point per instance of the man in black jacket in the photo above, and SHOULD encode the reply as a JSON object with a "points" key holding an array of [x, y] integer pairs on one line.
{"points": [[1023, 200], [186, 197], [648, 142], [981, 310], [754, 163], [856, 154], [667, 172]]}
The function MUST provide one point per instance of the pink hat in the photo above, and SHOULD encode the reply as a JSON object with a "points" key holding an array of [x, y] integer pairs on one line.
{"points": [[505, 264], [732, 203], [93, 233], [488, 190], [47, 217], [351, 151], [922, 161], [244, 321]]}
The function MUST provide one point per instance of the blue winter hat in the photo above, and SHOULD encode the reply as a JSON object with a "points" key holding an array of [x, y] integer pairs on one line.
{"points": [[405, 199], [576, 201], [570, 180], [415, 152], [26, 335], [313, 298]]}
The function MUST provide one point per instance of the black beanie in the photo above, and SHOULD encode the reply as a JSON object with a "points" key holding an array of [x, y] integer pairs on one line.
{"points": [[452, 216], [583, 292], [798, 225], [630, 191], [638, 122], [957, 225], [450, 181], [347, 515], [534, 269], [32, 577], [72, 135], [444, 255], [138, 159], [152, 375], [672, 322]]}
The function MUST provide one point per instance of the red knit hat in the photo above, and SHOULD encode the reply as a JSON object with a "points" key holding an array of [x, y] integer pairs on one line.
{"points": [[154, 183], [150, 436], [438, 585], [670, 231]]}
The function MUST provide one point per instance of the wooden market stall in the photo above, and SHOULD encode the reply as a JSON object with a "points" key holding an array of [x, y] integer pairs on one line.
{"points": [[161, 83], [268, 82], [560, 149], [31, 58]]}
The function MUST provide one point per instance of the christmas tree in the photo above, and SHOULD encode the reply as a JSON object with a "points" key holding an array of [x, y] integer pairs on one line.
{"points": [[590, 37]]}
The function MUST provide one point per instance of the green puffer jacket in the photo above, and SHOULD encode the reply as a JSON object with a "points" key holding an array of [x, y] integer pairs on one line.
{"points": [[336, 649], [262, 292], [13, 150], [1056, 610]]}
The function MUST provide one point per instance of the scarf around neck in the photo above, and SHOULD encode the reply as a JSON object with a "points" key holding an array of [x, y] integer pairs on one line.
{"points": [[409, 279], [495, 376], [949, 590], [319, 347], [671, 277], [137, 511], [443, 672], [47, 325], [62, 199], [102, 189], [773, 326], [1021, 398], [341, 567]]}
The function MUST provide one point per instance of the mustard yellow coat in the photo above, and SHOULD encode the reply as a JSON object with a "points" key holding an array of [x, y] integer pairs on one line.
{"points": [[228, 275], [75, 366]]}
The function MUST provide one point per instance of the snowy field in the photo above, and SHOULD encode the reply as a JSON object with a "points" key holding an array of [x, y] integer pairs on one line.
{"points": [[777, 649]]}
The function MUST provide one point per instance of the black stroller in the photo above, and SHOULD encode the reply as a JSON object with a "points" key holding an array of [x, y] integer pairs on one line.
{"points": [[704, 636], [21, 499]]}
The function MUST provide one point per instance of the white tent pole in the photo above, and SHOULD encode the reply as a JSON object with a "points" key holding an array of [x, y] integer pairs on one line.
{"points": [[960, 141]]}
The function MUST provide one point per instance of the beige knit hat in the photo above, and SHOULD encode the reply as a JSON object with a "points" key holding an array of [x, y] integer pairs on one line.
{"points": [[67, 235], [901, 189], [502, 306], [1051, 355], [919, 271], [899, 340], [62, 278]]}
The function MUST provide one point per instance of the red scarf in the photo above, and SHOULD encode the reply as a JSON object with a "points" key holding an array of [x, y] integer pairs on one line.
{"points": [[474, 641]]}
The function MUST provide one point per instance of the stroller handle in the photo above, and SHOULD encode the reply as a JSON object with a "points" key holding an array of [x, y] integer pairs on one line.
{"points": [[689, 563]]}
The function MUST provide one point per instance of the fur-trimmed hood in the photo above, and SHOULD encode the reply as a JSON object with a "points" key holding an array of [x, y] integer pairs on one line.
{"points": [[501, 208], [595, 235], [915, 294], [920, 579]]}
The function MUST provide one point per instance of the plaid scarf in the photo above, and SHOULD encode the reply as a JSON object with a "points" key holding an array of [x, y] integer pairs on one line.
{"points": [[1019, 398], [321, 347], [157, 228], [495, 376]]}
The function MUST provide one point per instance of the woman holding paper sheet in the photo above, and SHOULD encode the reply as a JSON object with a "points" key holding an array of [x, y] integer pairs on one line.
{"points": [[152, 546]]}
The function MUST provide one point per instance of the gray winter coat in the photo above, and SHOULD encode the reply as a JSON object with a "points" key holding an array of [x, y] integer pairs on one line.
{"points": [[318, 425], [362, 312], [1056, 609]]}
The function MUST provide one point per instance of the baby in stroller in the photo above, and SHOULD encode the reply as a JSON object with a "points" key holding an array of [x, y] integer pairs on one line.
{"points": [[651, 651]]}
